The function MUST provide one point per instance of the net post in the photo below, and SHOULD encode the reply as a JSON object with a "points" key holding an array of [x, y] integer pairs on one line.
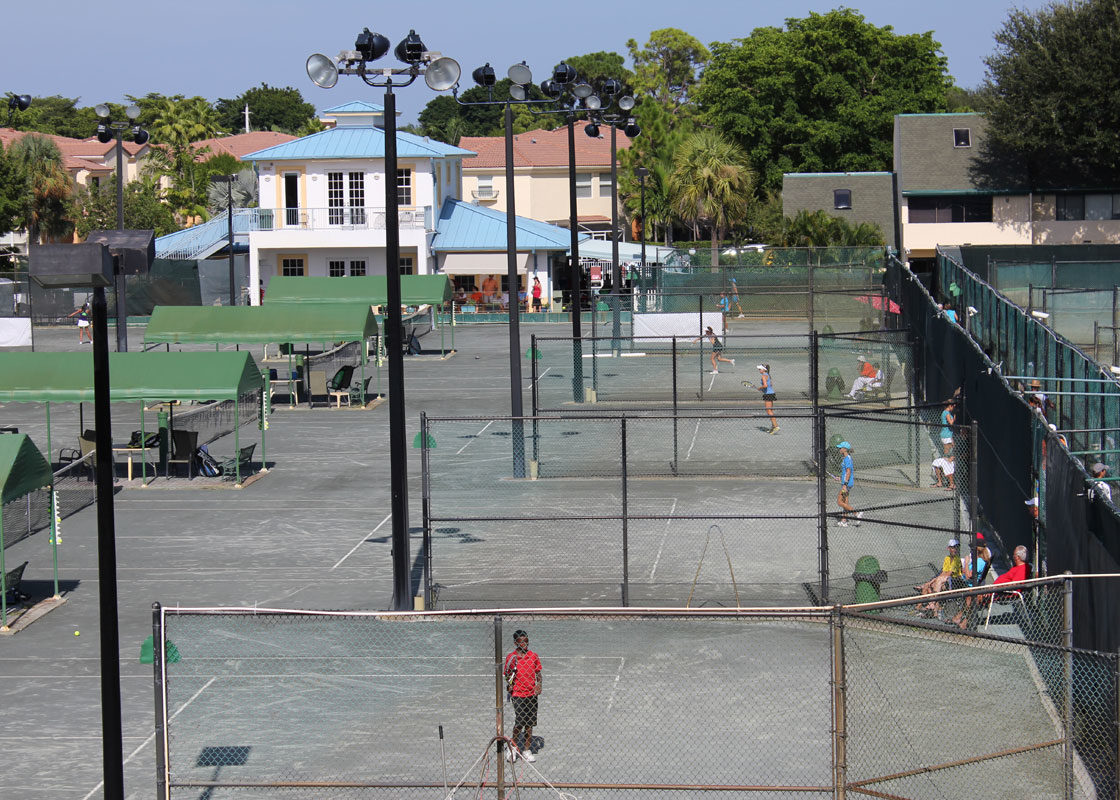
{"points": [[498, 720], [812, 300], [1067, 689], [822, 512], [625, 522], [533, 372], [426, 507], [839, 706], [160, 691]]}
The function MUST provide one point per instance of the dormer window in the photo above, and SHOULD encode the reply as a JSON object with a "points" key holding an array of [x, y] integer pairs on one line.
{"points": [[842, 198], [962, 137]]}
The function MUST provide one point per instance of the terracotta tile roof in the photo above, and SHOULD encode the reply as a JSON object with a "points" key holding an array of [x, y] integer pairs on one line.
{"points": [[77, 154], [544, 148], [241, 144]]}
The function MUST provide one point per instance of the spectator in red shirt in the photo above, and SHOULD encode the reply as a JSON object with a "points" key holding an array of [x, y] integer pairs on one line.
{"points": [[1020, 570], [522, 671]]}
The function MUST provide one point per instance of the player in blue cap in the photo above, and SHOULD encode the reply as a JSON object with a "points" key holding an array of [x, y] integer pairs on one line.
{"points": [[847, 480]]}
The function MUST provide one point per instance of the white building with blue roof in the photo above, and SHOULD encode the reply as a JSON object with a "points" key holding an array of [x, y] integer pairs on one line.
{"points": [[322, 209]]}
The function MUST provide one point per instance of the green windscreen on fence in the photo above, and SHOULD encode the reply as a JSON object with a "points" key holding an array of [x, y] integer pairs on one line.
{"points": [[370, 290], [261, 324], [68, 377]]}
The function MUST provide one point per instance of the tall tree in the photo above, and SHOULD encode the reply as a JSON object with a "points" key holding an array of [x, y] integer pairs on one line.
{"points": [[668, 66], [1053, 110], [598, 67], [821, 94], [710, 183], [59, 116], [49, 210], [662, 133], [176, 124], [446, 120], [143, 208], [13, 193], [270, 109], [821, 229]]}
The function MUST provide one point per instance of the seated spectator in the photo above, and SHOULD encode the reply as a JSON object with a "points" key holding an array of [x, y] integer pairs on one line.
{"points": [[870, 377], [973, 577], [950, 577], [504, 301], [943, 469], [1100, 487], [1020, 569]]}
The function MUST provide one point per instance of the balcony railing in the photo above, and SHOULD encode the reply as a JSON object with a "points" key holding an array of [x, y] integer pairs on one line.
{"points": [[335, 219]]}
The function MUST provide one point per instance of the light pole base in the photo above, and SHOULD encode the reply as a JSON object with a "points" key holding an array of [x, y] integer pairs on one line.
{"points": [[534, 470], [589, 395]]}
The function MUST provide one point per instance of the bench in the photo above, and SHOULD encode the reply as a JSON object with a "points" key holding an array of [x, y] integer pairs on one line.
{"points": [[12, 581]]}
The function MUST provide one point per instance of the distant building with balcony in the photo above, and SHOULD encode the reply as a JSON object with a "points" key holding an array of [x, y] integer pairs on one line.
{"points": [[322, 200], [932, 198]]}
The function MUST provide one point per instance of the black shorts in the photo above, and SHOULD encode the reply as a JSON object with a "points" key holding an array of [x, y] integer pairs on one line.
{"points": [[536, 302], [770, 396], [525, 709]]}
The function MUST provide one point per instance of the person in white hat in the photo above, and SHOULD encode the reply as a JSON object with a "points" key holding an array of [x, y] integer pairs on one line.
{"points": [[766, 386], [870, 377], [1100, 487], [950, 577]]}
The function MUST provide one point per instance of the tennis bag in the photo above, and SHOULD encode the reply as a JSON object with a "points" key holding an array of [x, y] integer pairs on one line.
{"points": [[207, 466]]}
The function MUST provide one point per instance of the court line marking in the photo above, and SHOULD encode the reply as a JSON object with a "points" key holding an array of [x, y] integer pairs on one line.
{"points": [[152, 736], [695, 433], [664, 536], [471, 441], [540, 376], [363, 541], [617, 677]]}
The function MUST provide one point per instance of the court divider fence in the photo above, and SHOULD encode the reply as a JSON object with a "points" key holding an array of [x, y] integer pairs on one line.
{"points": [[603, 482], [880, 700], [675, 371]]}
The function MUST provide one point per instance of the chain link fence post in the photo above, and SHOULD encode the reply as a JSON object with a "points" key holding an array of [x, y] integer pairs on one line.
{"points": [[499, 722], [161, 703], [625, 523], [426, 508], [822, 514], [839, 707], [1067, 676]]}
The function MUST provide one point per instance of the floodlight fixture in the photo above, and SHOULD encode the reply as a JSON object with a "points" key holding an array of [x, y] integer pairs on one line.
{"points": [[631, 128], [520, 74], [592, 130], [518, 92], [442, 74], [610, 87], [552, 89], [19, 102], [370, 47], [322, 71], [484, 75], [133, 112], [139, 135], [642, 173], [563, 74], [626, 102], [582, 90], [104, 134], [102, 110], [410, 50], [594, 103]]}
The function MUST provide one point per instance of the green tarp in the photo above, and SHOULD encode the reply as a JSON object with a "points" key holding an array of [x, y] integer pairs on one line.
{"points": [[22, 467], [339, 322], [369, 290], [155, 376]]}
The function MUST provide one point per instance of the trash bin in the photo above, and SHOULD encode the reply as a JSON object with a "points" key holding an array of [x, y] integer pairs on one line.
{"points": [[834, 385], [869, 579]]}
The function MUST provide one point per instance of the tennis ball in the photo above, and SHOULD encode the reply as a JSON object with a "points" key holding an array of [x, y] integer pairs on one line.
{"points": [[478, 357], [77, 633]]}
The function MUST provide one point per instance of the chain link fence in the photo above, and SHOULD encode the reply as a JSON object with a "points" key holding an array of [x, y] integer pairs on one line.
{"points": [[73, 486], [873, 701], [693, 372], [687, 509]]}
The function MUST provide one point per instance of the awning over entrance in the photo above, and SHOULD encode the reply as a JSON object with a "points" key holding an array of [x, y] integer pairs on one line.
{"points": [[368, 290], [481, 263], [273, 322]]}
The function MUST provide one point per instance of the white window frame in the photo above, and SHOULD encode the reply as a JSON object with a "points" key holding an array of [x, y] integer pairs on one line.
{"points": [[583, 185]]}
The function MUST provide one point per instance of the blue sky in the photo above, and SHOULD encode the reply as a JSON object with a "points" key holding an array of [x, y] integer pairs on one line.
{"points": [[103, 51]]}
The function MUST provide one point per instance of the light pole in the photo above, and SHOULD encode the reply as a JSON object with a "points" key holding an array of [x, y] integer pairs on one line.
{"points": [[107, 130], [440, 73], [610, 91], [520, 77], [228, 180], [642, 174]]}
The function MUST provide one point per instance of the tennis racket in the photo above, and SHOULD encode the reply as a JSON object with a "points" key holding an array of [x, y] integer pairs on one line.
{"points": [[750, 384]]}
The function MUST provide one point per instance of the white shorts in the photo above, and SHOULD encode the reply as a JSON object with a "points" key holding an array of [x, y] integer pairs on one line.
{"points": [[948, 467], [83, 323]]}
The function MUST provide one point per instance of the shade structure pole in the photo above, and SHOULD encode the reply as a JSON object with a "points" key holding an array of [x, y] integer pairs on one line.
{"points": [[577, 300], [514, 306]]}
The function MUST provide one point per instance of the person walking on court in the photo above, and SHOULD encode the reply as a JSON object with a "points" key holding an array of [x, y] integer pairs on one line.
{"points": [[717, 350], [522, 671], [735, 298], [767, 388], [847, 480], [85, 333]]}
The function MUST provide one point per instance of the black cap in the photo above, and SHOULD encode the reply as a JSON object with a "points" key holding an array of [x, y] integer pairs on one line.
{"points": [[517, 634]]}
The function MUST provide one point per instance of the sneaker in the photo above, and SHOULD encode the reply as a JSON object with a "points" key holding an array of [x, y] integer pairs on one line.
{"points": [[714, 372], [528, 755], [732, 362], [859, 516], [774, 430], [842, 524], [512, 754], [741, 316]]}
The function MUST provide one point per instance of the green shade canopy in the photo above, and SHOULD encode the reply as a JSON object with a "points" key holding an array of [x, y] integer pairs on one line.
{"points": [[68, 377], [22, 467], [338, 322], [370, 290]]}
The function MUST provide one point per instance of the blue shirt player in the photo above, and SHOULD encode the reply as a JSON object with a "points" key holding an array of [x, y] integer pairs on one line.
{"points": [[847, 480], [724, 303]]}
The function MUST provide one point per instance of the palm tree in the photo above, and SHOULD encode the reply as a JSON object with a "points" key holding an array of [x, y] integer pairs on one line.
{"points": [[711, 182], [49, 211], [244, 192], [177, 123]]}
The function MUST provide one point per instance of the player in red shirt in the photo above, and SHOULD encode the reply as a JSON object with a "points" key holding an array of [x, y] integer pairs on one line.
{"points": [[522, 672]]}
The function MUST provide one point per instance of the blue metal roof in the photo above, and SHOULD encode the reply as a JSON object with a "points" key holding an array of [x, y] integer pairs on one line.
{"points": [[354, 142], [355, 106], [465, 226]]}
